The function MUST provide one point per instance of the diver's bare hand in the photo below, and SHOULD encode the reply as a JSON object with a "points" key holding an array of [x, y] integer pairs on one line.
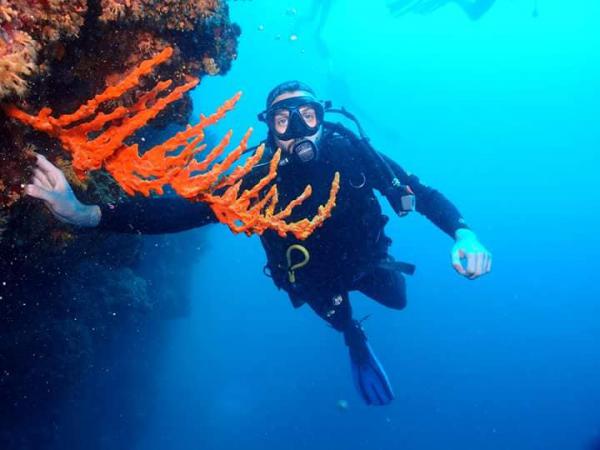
{"points": [[50, 185], [467, 248]]}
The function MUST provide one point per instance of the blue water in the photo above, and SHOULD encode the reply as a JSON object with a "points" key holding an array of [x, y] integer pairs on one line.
{"points": [[501, 115]]}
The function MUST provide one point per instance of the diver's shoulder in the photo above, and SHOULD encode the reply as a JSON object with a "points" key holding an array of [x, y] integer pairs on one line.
{"points": [[339, 146], [336, 141]]}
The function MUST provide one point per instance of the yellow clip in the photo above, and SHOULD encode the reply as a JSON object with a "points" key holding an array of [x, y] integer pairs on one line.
{"points": [[292, 268]]}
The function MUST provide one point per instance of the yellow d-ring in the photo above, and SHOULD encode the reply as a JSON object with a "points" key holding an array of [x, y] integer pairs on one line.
{"points": [[292, 268]]}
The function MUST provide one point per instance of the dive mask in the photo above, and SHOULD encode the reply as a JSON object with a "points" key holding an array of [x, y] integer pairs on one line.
{"points": [[293, 118]]}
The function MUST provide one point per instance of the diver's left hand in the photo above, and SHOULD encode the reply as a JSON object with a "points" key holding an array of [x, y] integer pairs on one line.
{"points": [[468, 249]]}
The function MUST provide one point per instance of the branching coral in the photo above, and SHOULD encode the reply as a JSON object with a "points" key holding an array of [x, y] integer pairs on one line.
{"points": [[58, 54], [96, 139], [74, 130]]}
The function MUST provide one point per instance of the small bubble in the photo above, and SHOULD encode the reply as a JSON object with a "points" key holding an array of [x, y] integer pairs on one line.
{"points": [[261, 27], [293, 37]]}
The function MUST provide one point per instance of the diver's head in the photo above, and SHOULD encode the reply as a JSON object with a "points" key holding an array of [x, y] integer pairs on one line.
{"points": [[294, 117]]}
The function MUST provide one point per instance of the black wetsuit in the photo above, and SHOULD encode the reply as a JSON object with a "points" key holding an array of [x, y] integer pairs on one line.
{"points": [[349, 252]]}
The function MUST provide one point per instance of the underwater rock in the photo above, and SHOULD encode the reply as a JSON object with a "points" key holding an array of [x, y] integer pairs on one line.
{"points": [[65, 294], [28, 30], [59, 53], [67, 52], [61, 311], [37, 36]]}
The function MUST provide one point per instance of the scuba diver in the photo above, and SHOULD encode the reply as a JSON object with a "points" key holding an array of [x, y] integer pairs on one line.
{"points": [[473, 8], [349, 252]]}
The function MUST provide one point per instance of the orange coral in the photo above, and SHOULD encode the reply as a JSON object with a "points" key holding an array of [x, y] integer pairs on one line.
{"points": [[96, 139], [73, 130], [247, 212]]}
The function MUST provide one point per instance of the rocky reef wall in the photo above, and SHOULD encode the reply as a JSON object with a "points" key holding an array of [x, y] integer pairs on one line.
{"points": [[67, 295]]}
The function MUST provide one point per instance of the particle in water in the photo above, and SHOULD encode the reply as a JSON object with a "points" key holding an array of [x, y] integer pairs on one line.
{"points": [[342, 405]]}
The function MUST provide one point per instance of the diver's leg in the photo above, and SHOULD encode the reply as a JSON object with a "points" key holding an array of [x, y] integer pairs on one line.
{"points": [[333, 308], [385, 286], [369, 376]]}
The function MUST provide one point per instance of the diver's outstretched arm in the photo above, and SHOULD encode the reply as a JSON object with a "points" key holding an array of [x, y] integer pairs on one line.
{"points": [[429, 202], [136, 215], [469, 257], [50, 185], [158, 215]]}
